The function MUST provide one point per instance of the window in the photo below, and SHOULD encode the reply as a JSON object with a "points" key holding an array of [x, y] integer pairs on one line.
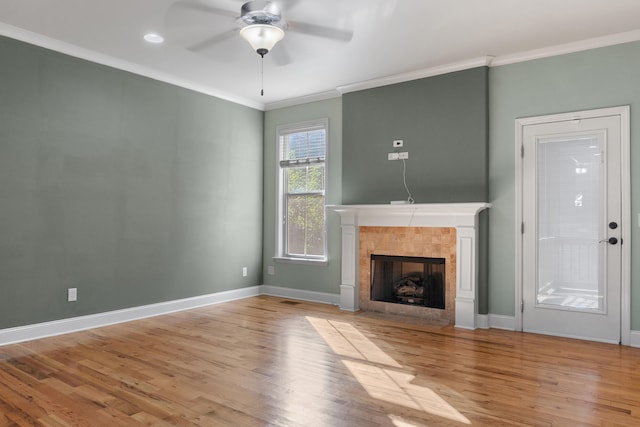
{"points": [[301, 191]]}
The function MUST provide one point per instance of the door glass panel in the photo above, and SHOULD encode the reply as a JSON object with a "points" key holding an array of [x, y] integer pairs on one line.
{"points": [[570, 187]]}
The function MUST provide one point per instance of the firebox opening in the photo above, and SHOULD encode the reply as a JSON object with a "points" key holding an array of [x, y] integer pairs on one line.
{"points": [[408, 280]]}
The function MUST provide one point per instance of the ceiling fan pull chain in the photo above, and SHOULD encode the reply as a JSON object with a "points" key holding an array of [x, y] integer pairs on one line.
{"points": [[262, 76]]}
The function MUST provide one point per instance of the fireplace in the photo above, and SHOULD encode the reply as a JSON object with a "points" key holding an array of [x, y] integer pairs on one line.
{"points": [[461, 272], [417, 281], [416, 245]]}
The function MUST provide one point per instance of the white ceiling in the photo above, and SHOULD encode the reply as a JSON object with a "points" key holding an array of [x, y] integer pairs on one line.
{"points": [[393, 40]]}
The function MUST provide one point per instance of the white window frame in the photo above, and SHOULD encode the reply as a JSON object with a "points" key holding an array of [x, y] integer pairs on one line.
{"points": [[281, 229]]}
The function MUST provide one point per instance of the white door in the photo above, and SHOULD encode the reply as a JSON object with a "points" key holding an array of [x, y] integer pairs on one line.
{"points": [[571, 228]]}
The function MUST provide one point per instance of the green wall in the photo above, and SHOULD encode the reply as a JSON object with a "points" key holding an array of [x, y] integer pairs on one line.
{"points": [[317, 278], [586, 80], [136, 191], [444, 124], [131, 190]]}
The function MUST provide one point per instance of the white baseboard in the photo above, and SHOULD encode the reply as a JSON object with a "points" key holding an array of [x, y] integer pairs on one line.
{"points": [[498, 321], [634, 339], [64, 326], [482, 321], [74, 324], [312, 296], [495, 321]]}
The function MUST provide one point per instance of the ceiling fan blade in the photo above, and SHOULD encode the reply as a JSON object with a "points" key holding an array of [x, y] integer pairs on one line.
{"points": [[199, 7], [209, 41], [320, 31], [281, 55]]}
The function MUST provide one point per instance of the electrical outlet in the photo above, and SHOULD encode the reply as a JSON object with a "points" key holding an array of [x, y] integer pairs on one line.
{"points": [[393, 156], [271, 270], [397, 143], [403, 155], [72, 294], [244, 272]]}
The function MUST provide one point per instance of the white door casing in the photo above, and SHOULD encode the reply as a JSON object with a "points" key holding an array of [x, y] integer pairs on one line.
{"points": [[544, 139]]}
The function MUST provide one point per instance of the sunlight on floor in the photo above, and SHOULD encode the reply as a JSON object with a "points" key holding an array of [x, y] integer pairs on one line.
{"points": [[347, 341], [399, 422], [387, 382]]}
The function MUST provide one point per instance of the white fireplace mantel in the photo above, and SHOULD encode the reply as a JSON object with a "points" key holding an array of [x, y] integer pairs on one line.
{"points": [[462, 216]]}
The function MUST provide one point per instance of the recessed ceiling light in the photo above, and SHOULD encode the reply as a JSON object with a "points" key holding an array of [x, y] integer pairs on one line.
{"points": [[153, 38]]}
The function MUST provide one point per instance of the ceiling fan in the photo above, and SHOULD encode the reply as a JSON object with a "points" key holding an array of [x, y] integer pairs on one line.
{"points": [[260, 22]]}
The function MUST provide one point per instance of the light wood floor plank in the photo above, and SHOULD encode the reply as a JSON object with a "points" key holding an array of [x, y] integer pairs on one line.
{"points": [[269, 361]]}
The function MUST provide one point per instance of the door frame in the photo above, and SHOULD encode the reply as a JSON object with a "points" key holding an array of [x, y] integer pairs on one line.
{"points": [[625, 175]]}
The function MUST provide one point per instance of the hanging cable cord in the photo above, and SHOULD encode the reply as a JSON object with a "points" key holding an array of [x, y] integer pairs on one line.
{"points": [[404, 178], [404, 181]]}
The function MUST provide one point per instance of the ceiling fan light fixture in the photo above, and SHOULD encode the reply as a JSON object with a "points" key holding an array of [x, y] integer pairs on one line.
{"points": [[262, 37]]}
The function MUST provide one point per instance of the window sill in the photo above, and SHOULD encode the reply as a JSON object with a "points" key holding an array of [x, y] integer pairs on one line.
{"points": [[303, 261]]}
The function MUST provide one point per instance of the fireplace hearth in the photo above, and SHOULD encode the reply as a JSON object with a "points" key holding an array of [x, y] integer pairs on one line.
{"points": [[409, 280]]}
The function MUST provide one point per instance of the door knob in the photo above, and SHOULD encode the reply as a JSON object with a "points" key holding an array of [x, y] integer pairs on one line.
{"points": [[610, 240], [613, 225]]}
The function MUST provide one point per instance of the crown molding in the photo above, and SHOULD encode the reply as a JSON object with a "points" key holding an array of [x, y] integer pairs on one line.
{"points": [[418, 74], [110, 61], [563, 49], [488, 60], [321, 96], [384, 81]]}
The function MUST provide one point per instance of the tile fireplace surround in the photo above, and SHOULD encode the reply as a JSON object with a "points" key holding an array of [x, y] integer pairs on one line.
{"points": [[462, 216]]}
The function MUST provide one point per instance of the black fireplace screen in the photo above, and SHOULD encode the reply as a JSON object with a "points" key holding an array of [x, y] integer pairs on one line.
{"points": [[408, 280]]}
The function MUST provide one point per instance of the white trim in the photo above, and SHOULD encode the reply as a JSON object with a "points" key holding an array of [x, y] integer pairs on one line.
{"points": [[488, 60], [575, 337], [303, 261], [563, 49], [625, 176], [299, 294], [415, 75], [497, 321], [625, 171], [482, 321], [314, 97], [75, 324], [634, 338], [496, 61], [120, 64], [412, 215], [519, 125]]}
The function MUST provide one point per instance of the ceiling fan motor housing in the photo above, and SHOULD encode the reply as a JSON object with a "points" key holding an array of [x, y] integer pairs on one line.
{"points": [[260, 12]]}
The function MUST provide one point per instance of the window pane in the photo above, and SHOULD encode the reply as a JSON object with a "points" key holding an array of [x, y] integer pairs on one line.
{"points": [[570, 188], [296, 213], [305, 227], [315, 178], [305, 179], [304, 145]]}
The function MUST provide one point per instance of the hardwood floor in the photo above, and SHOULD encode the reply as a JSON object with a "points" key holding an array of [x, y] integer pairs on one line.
{"points": [[268, 361]]}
